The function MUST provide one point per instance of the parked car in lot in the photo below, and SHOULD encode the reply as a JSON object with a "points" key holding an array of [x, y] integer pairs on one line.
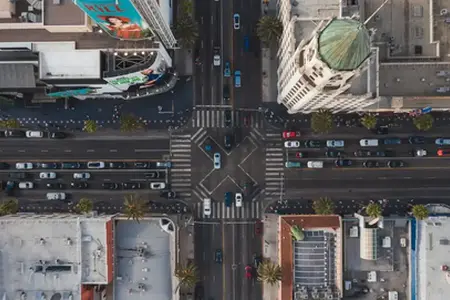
{"points": [[416, 140], [47, 175], [24, 166], [292, 164], [371, 164], [395, 164], [157, 185], [442, 141], [313, 144], [55, 186], [56, 196], [79, 185], [291, 144], [83, 175], [343, 162], [96, 165], [335, 143], [110, 186], [26, 185], [238, 199]]}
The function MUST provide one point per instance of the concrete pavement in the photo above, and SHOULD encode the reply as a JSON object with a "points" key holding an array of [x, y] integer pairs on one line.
{"points": [[270, 246]]}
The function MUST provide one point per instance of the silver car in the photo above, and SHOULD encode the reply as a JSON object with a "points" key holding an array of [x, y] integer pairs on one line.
{"points": [[217, 162], [236, 21]]}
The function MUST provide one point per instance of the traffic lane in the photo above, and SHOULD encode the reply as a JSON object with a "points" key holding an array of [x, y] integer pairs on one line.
{"points": [[230, 239], [206, 42], [251, 289]]}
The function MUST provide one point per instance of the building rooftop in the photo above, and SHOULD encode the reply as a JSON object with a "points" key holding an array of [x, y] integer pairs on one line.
{"points": [[63, 12], [73, 64]]}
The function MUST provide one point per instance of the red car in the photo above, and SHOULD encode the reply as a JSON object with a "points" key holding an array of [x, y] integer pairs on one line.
{"points": [[258, 228], [299, 154], [290, 134], [248, 272], [443, 152]]}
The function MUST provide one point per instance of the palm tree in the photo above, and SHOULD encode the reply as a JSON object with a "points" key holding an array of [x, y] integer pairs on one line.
{"points": [[420, 212], [269, 29], [186, 7], [130, 123], [9, 207], [424, 122], [187, 275], [186, 31], [297, 233], [322, 121], [134, 207], [269, 272], [90, 126], [369, 121], [323, 206], [84, 206], [373, 210]]}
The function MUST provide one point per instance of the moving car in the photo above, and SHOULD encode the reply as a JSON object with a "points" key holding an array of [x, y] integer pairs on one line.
{"points": [[256, 260], [368, 153], [371, 164], [70, 165], [420, 152], [34, 134], [392, 141], [218, 257], [96, 165], [290, 134], [164, 164], [315, 164], [47, 175], [443, 152], [56, 196], [335, 143], [368, 142], [55, 186], [26, 185], [117, 165], [110, 186], [442, 141], [334, 153], [237, 79], [300, 154], [207, 206], [131, 185], [248, 272], [227, 70], [228, 199], [152, 175], [236, 21], [395, 164], [157, 185], [141, 165], [84, 175], [226, 93], [227, 141], [291, 144], [217, 160], [168, 194], [313, 144], [228, 118], [4, 166], [343, 162], [216, 56], [292, 164], [238, 199], [14, 133], [24, 166], [246, 43], [79, 185], [416, 140], [47, 166], [9, 188], [57, 135]]}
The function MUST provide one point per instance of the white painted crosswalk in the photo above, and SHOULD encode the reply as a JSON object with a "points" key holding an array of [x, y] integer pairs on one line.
{"points": [[274, 159], [180, 179], [209, 118], [249, 210]]}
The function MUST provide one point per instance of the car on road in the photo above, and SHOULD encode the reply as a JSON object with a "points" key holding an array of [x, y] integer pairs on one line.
{"points": [[257, 259], [442, 141], [216, 56], [335, 143], [207, 206], [17, 175], [34, 134], [9, 187], [227, 70], [248, 272], [152, 175], [96, 165], [57, 135], [314, 164], [258, 227], [381, 130], [110, 186], [15, 133], [368, 142], [392, 141], [168, 194], [47, 175], [141, 165], [228, 118], [290, 134], [443, 152], [368, 153], [300, 154], [342, 162], [226, 93], [371, 164], [227, 141], [395, 164], [292, 164], [164, 164], [237, 79], [157, 185], [79, 185], [4, 166], [117, 165], [56, 196], [333, 153], [238, 199], [416, 140], [26, 185], [291, 144], [71, 165], [24, 166], [47, 165], [218, 257], [131, 185], [217, 161], [83, 175], [313, 144], [246, 43], [228, 200], [420, 152], [55, 186], [236, 21]]}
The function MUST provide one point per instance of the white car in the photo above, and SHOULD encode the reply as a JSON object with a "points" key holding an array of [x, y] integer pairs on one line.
{"points": [[238, 199], [96, 165], [34, 134], [24, 166], [368, 143], [157, 185], [56, 196], [47, 175], [26, 185], [216, 60], [81, 175], [207, 206], [291, 144], [236, 21], [335, 143]]}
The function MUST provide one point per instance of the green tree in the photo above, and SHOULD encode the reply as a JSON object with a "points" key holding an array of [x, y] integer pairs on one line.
{"points": [[369, 121], [10, 123], [424, 122], [186, 31], [84, 206], [373, 210], [186, 8], [90, 126], [269, 272], [297, 233], [9, 206], [323, 206], [134, 207], [322, 121], [269, 29], [129, 123], [420, 212], [187, 275]]}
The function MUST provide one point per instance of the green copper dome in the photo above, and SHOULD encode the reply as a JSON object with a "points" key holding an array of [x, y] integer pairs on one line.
{"points": [[344, 44]]}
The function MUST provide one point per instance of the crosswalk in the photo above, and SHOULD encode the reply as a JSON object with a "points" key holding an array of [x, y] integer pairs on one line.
{"points": [[210, 118], [274, 166], [249, 210], [180, 145]]}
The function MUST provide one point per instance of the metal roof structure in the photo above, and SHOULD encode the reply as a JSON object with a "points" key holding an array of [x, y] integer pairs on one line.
{"points": [[344, 44], [17, 76]]}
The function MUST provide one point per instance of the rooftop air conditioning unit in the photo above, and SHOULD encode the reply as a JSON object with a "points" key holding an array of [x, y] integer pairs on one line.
{"points": [[56, 2]]}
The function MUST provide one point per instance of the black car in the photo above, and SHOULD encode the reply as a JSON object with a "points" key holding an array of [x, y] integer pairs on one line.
{"points": [[227, 117], [79, 185], [313, 144], [55, 186], [18, 175], [381, 130], [227, 142], [70, 165], [256, 260], [4, 165], [343, 162], [226, 93], [368, 153], [141, 165], [131, 185], [416, 140], [395, 164], [218, 257], [15, 133], [110, 186], [334, 153], [47, 165], [151, 175], [57, 135], [117, 165], [371, 164], [168, 194]]}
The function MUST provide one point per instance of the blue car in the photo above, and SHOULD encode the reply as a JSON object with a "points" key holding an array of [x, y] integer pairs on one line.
{"points": [[237, 79], [228, 200], [246, 43], [392, 141], [442, 141], [227, 70]]}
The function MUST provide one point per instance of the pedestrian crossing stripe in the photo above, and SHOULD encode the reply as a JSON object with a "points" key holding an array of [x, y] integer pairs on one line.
{"points": [[216, 119], [180, 173], [249, 210]]}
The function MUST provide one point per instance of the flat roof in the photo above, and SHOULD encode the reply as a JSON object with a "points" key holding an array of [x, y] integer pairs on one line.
{"points": [[75, 64], [19, 75], [51, 254], [63, 13]]}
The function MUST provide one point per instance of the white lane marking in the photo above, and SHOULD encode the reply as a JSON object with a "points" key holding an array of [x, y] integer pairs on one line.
{"points": [[68, 150], [150, 150], [112, 150], [90, 150]]}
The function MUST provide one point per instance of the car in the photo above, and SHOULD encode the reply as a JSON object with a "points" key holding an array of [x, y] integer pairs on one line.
{"points": [[96, 165], [55, 186], [4, 166], [15, 133], [258, 227], [395, 164], [371, 164], [207, 206], [110, 186], [313, 144], [237, 79], [117, 165], [247, 119], [79, 185], [247, 188], [290, 134], [416, 140], [368, 142], [131, 185], [157, 185], [238, 199], [152, 175], [381, 130], [217, 160], [442, 141], [292, 164], [228, 199], [47, 165], [300, 154], [334, 153], [246, 43], [218, 257], [291, 144], [34, 134], [392, 141], [420, 153], [368, 153], [24, 166], [57, 135], [26, 185], [164, 164], [47, 175], [256, 260], [17, 175], [83, 175], [315, 164], [141, 165], [168, 194], [9, 188], [227, 70], [443, 152], [227, 141], [228, 118], [216, 60], [70, 165], [342, 162], [56, 196], [335, 143], [248, 272], [236, 21], [226, 93]]}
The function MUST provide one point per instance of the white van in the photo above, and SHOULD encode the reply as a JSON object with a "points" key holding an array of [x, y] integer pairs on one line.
{"points": [[315, 164], [34, 134], [207, 206], [368, 142]]}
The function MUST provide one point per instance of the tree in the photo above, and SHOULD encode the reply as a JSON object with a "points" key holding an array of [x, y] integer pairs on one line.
{"points": [[323, 206], [186, 31], [269, 29], [269, 272], [420, 212], [90, 126], [373, 210], [322, 121], [297, 233], [9, 207], [424, 122], [187, 275], [130, 123], [134, 207], [10, 123], [84, 206], [369, 121], [186, 7]]}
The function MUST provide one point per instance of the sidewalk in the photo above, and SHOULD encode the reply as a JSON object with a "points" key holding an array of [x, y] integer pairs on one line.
{"points": [[270, 245], [112, 134], [185, 251], [269, 62]]}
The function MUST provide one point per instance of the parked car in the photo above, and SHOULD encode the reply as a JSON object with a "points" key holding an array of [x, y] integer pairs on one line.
{"points": [[47, 175], [227, 70], [71, 165], [110, 186], [226, 93], [14, 133], [335, 143], [26, 185], [291, 144], [368, 142], [57, 135], [218, 257], [248, 272], [47, 165], [420, 152], [17, 175], [369, 153], [228, 200], [246, 43], [442, 141], [236, 21], [117, 165], [207, 206], [34, 134], [416, 140], [343, 162], [227, 141], [4, 166], [55, 186], [290, 134], [168, 194], [443, 152], [228, 118], [164, 164], [141, 165], [157, 185], [300, 154], [334, 153], [237, 79], [216, 56], [152, 175], [24, 166], [131, 185], [392, 141]]}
